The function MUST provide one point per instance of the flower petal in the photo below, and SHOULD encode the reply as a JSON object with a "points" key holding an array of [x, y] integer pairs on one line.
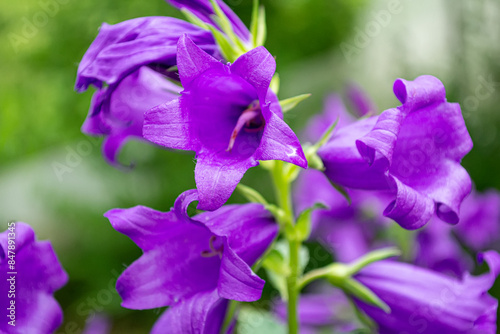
{"points": [[171, 266], [279, 142], [217, 178], [168, 125], [192, 60], [202, 313], [236, 279], [257, 67]]}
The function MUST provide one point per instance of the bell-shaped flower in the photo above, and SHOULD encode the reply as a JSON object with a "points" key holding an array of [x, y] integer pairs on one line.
{"points": [[194, 265], [226, 114], [423, 301], [128, 63], [30, 274], [413, 150]]}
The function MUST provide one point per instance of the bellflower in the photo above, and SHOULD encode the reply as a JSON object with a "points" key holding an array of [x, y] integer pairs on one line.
{"points": [[426, 302], [127, 63], [323, 309], [347, 230], [204, 10], [28, 282], [480, 220], [360, 102], [228, 116], [413, 150], [440, 251], [194, 265]]}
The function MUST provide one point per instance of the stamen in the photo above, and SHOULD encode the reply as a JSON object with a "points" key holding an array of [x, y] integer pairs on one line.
{"points": [[246, 118], [213, 251]]}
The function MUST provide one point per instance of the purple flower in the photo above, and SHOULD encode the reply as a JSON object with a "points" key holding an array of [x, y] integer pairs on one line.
{"points": [[127, 62], [203, 10], [413, 150], [118, 112], [440, 251], [228, 116], [97, 324], [28, 282], [326, 308], [480, 220], [426, 302], [194, 265], [360, 101]]}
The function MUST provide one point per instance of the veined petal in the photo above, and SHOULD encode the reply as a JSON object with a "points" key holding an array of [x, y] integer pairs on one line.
{"points": [[279, 142], [421, 92], [168, 125], [236, 279], [257, 66], [192, 60], [217, 178], [172, 266], [203, 313]]}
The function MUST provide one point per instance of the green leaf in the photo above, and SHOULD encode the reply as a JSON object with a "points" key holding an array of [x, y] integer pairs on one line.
{"points": [[227, 50], [355, 288], [251, 194], [275, 83], [225, 24], [289, 104], [194, 19], [252, 320], [275, 262], [374, 256], [254, 24], [261, 28], [326, 136], [303, 226], [342, 191]]}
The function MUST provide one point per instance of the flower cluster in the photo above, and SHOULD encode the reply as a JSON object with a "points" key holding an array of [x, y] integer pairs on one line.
{"points": [[210, 86]]}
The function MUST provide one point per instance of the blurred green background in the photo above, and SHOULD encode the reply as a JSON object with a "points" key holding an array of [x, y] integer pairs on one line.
{"points": [[319, 48]]}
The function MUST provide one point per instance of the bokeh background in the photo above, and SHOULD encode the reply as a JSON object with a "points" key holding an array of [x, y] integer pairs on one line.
{"points": [[320, 46]]}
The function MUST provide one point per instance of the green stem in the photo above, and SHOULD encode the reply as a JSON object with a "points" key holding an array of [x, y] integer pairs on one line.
{"points": [[292, 287], [231, 310], [284, 199]]}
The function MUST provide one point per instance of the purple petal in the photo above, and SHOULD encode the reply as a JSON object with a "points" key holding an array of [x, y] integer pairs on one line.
{"points": [[237, 280], [118, 111], [203, 10], [38, 274], [124, 47], [168, 125], [360, 101], [423, 91], [172, 266], [334, 109], [279, 142], [257, 66], [480, 220], [427, 302], [192, 60], [203, 313], [97, 324], [217, 177]]}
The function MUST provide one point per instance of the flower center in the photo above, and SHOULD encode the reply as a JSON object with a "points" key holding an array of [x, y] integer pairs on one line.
{"points": [[250, 120], [214, 251]]}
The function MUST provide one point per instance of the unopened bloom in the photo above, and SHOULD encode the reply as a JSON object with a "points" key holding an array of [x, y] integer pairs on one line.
{"points": [[194, 265], [423, 301], [128, 64], [228, 116], [204, 10], [30, 274], [413, 150]]}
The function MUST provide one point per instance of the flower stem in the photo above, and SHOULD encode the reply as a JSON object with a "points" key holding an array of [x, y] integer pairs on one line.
{"points": [[292, 287], [283, 197]]}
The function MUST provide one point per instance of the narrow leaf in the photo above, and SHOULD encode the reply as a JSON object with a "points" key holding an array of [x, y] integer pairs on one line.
{"points": [[292, 102], [275, 83], [254, 25], [225, 46], [251, 194], [261, 29], [360, 291], [194, 19], [303, 226]]}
